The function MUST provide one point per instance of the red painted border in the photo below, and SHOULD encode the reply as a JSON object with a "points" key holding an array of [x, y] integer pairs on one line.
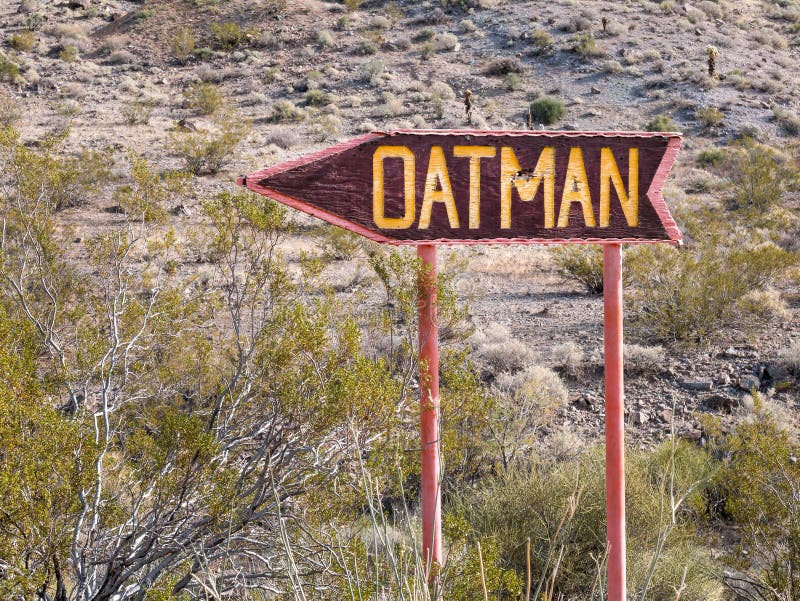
{"points": [[653, 193]]}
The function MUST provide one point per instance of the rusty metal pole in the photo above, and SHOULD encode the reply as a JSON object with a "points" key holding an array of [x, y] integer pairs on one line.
{"points": [[615, 422], [431, 497]]}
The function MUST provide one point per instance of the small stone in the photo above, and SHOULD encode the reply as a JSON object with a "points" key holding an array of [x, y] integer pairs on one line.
{"points": [[78, 240], [720, 402], [79, 4], [749, 382], [595, 90], [640, 417], [698, 384], [692, 434], [723, 380], [665, 416]]}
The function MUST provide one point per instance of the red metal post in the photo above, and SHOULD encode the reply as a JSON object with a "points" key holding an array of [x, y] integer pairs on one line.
{"points": [[431, 497], [615, 424]]}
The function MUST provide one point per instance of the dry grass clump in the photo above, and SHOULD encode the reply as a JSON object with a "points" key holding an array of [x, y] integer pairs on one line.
{"points": [[709, 116], [767, 304], [10, 110], [24, 40], [789, 122], [285, 110], [612, 67], [541, 42], [205, 98], [644, 359], [137, 112], [569, 356], [536, 386], [372, 70], [442, 90], [586, 46], [121, 57], [182, 44], [325, 38], [789, 357], [446, 42], [366, 48], [69, 54], [495, 349]]}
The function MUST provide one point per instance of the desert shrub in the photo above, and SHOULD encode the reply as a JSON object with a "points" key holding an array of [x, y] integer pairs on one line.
{"points": [[23, 41], [612, 67], [644, 359], [507, 356], [380, 22], [560, 507], [442, 90], [226, 36], [712, 156], [692, 294], [426, 34], [69, 54], [366, 48], [512, 82], [789, 357], [760, 175], [504, 66], [575, 24], [542, 42], [789, 122], [285, 110], [586, 46], [147, 196], [121, 57], [467, 26], [446, 42], [373, 69], [759, 488], [353, 5], [10, 110], [427, 50], [325, 127], [137, 112], [325, 38], [338, 244], [547, 110], [661, 123], [283, 137], [205, 98], [318, 98], [709, 116], [9, 70], [182, 44], [208, 151], [569, 357], [584, 263]]}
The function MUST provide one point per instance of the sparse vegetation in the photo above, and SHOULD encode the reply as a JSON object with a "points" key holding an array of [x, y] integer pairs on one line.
{"points": [[137, 112], [69, 54], [547, 110], [586, 46], [504, 66], [183, 44], [542, 42], [24, 41], [661, 123], [285, 110], [205, 98], [709, 116], [228, 35], [366, 48], [584, 263], [209, 151]]}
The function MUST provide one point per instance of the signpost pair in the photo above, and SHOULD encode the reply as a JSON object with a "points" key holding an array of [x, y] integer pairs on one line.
{"points": [[426, 188]]}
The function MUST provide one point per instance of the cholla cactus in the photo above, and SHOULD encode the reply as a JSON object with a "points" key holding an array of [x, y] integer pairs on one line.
{"points": [[712, 60]]}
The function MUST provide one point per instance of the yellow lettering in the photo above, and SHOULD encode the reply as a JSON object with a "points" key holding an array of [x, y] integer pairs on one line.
{"points": [[378, 193], [545, 171], [475, 154], [437, 177], [609, 175], [576, 189]]}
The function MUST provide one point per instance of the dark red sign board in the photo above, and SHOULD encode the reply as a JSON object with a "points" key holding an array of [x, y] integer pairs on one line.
{"points": [[470, 187]]}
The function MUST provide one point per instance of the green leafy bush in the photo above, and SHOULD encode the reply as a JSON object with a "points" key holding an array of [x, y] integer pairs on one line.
{"points": [[547, 110], [692, 294], [560, 507]]}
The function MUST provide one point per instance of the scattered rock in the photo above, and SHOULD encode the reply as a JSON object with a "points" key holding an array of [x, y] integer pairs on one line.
{"points": [[720, 402], [665, 416], [180, 209], [75, 4], [639, 417], [698, 384], [187, 125], [749, 382], [595, 90], [692, 433]]}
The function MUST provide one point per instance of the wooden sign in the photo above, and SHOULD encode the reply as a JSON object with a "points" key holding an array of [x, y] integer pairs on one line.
{"points": [[468, 187]]}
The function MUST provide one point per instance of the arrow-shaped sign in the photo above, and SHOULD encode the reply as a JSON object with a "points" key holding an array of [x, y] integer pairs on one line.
{"points": [[441, 186]]}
